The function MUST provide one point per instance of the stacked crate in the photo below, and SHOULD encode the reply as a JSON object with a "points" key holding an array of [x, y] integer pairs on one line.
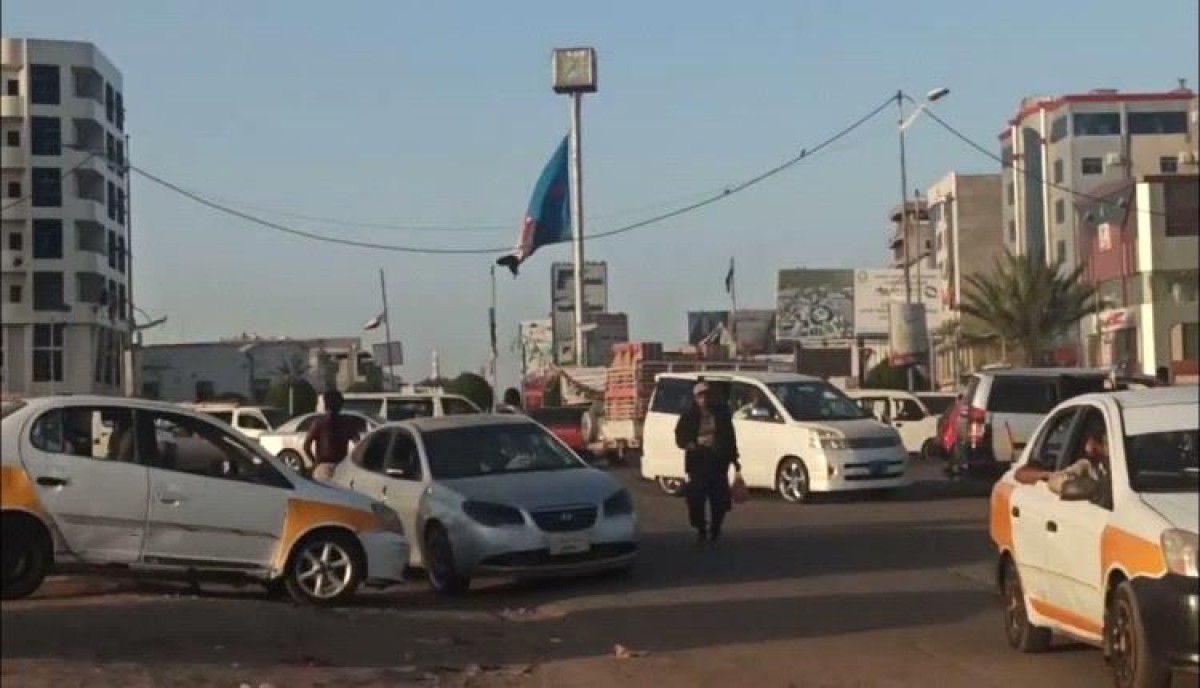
{"points": [[629, 385]]}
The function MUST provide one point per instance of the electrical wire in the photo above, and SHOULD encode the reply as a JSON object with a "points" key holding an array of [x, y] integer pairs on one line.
{"points": [[64, 176], [1021, 169], [723, 194]]}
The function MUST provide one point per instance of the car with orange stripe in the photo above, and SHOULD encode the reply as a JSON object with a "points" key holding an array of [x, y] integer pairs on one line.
{"points": [[1109, 555], [103, 483]]}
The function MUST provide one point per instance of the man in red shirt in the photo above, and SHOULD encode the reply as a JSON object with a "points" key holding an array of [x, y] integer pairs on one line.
{"points": [[331, 436]]}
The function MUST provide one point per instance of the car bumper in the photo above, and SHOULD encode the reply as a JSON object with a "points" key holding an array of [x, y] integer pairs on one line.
{"points": [[387, 556], [526, 551], [861, 469], [1170, 608]]}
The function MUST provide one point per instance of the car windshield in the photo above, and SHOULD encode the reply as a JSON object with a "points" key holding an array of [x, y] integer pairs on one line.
{"points": [[275, 417], [816, 400], [1164, 461], [497, 449]]}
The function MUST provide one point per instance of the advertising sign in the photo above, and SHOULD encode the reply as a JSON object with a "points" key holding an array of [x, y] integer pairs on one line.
{"points": [[537, 346], [875, 289], [908, 338], [562, 299], [815, 305], [755, 329], [379, 352]]}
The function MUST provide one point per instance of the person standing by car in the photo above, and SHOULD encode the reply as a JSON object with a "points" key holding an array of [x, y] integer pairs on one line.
{"points": [[705, 433], [331, 437]]}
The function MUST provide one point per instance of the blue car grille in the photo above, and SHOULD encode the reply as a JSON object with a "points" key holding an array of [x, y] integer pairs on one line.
{"points": [[565, 520]]}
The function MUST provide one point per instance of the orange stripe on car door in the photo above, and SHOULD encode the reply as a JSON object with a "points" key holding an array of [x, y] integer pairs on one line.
{"points": [[1000, 523], [303, 516], [1065, 617], [17, 492], [1134, 555]]}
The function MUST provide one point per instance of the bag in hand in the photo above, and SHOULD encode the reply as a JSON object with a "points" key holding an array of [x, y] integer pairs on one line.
{"points": [[738, 490]]}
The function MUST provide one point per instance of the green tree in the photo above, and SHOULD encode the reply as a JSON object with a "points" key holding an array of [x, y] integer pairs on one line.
{"points": [[1027, 304], [473, 387], [303, 396]]}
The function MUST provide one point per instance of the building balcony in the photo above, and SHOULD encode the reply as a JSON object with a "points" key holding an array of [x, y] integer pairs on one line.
{"points": [[90, 185], [14, 157], [89, 135], [12, 106], [89, 84]]}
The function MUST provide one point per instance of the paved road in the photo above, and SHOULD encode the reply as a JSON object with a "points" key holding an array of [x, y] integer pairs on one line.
{"points": [[846, 592]]}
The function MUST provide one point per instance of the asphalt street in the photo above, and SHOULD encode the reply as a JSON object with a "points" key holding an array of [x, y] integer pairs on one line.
{"points": [[841, 592]]}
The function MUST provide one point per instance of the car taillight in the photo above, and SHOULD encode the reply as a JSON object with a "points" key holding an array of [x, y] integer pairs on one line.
{"points": [[976, 426]]}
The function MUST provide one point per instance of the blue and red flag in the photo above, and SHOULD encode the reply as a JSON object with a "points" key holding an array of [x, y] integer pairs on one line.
{"points": [[548, 219]]}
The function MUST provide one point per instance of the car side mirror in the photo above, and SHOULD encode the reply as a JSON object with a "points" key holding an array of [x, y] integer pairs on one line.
{"points": [[1078, 490]]}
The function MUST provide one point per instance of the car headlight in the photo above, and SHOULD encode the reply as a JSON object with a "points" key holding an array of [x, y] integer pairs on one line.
{"points": [[388, 519], [620, 504], [493, 515], [1180, 552], [826, 439]]}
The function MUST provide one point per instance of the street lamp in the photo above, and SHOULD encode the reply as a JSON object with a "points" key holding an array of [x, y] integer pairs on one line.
{"points": [[574, 73], [247, 350]]}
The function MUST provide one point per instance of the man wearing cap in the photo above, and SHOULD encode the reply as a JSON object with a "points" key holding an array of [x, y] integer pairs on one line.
{"points": [[705, 434]]}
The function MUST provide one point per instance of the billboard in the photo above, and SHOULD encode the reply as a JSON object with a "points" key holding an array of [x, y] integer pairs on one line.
{"points": [[875, 289], [537, 346], [562, 301], [755, 329], [815, 305], [379, 352]]}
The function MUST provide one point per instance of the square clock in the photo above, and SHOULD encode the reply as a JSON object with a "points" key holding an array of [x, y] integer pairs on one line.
{"points": [[574, 70]]}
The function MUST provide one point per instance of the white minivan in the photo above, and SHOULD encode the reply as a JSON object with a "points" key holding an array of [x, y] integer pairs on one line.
{"points": [[917, 425], [796, 435]]}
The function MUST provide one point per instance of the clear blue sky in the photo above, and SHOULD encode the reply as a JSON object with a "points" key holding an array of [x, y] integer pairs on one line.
{"points": [[441, 113]]}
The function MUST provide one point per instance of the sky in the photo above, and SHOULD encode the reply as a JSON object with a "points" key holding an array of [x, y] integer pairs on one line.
{"points": [[441, 115]]}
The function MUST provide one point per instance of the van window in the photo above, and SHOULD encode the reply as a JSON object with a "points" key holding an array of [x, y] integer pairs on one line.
{"points": [[368, 407], [1022, 395], [403, 409], [672, 396], [225, 417], [250, 422], [452, 406], [816, 401]]}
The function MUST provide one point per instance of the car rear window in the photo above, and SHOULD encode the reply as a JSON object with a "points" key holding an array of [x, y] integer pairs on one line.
{"points": [[403, 409], [1010, 394], [671, 396]]}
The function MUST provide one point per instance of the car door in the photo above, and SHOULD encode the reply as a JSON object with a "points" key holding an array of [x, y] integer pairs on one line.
{"points": [[95, 493], [913, 422], [757, 426], [1032, 507], [403, 478], [252, 424], [1073, 532], [660, 456], [213, 501]]}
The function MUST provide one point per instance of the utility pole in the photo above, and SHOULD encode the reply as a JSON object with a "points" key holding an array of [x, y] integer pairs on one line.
{"points": [[387, 331]]}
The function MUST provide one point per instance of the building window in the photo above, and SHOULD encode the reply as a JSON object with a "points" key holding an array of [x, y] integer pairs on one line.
{"points": [[121, 254], [48, 345], [107, 368], [89, 287], [1158, 122], [45, 136], [1060, 211], [1010, 193], [47, 187], [112, 250], [1012, 232], [47, 239], [14, 293], [12, 88], [1059, 129], [89, 236], [1006, 157], [121, 156], [16, 242], [1061, 248], [1168, 165], [122, 302], [1182, 204], [110, 102], [44, 87], [121, 206], [48, 291], [13, 190], [110, 297], [12, 138], [1058, 171], [111, 200], [1097, 124], [120, 112], [110, 148], [1092, 166]]}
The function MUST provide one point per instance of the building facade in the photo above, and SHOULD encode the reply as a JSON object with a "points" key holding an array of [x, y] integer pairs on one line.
{"points": [[64, 219], [247, 367]]}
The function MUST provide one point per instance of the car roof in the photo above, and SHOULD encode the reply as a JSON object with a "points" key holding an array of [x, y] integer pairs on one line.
{"points": [[48, 402], [1157, 396], [860, 392], [1042, 372], [763, 376], [467, 420]]}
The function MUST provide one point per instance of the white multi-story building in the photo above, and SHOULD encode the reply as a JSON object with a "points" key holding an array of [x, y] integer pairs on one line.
{"points": [[64, 211]]}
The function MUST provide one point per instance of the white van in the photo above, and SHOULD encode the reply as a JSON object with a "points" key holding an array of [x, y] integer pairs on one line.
{"points": [[796, 435], [251, 421], [917, 425], [395, 406]]}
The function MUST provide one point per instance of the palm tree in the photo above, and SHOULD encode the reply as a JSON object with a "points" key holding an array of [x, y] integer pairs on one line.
{"points": [[1027, 303]]}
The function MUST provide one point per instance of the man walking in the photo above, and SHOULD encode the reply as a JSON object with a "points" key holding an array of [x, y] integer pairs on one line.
{"points": [[331, 436], [705, 434]]}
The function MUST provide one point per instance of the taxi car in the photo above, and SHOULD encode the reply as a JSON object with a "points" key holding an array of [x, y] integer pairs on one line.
{"points": [[1110, 557], [104, 482]]}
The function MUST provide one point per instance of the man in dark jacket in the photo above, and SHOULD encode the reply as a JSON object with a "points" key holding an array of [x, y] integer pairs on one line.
{"points": [[705, 434]]}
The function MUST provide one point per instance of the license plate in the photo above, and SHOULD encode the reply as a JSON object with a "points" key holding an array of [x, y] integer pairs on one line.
{"points": [[878, 467], [571, 543]]}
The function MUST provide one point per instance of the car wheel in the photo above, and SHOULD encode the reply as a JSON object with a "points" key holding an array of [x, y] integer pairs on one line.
{"points": [[931, 451], [439, 563], [1126, 646], [791, 480], [672, 486], [1022, 635], [324, 569], [293, 460], [26, 560]]}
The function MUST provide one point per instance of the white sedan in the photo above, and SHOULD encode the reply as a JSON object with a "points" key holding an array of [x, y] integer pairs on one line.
{"points": [[286, 442]]}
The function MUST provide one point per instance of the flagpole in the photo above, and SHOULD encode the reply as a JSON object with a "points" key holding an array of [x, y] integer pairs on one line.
{"points": [[387, 331], [577, 221], [492, 334], [733, 315]]}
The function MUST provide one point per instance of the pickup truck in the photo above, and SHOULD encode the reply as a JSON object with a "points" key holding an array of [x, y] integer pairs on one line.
{"points": [[568, 423]]}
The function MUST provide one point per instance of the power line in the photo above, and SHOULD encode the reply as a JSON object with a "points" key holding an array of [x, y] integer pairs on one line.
{"points": [[724, 193], [1021, 169]]}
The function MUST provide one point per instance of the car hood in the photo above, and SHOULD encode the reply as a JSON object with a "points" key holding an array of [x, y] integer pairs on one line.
{"points": [[537, 490], [859, 428], [1179, 508]]}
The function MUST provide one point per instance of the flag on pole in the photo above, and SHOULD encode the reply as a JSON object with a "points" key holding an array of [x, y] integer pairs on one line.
{"points": [[548, 219], [729, 278], [375, 322]]}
